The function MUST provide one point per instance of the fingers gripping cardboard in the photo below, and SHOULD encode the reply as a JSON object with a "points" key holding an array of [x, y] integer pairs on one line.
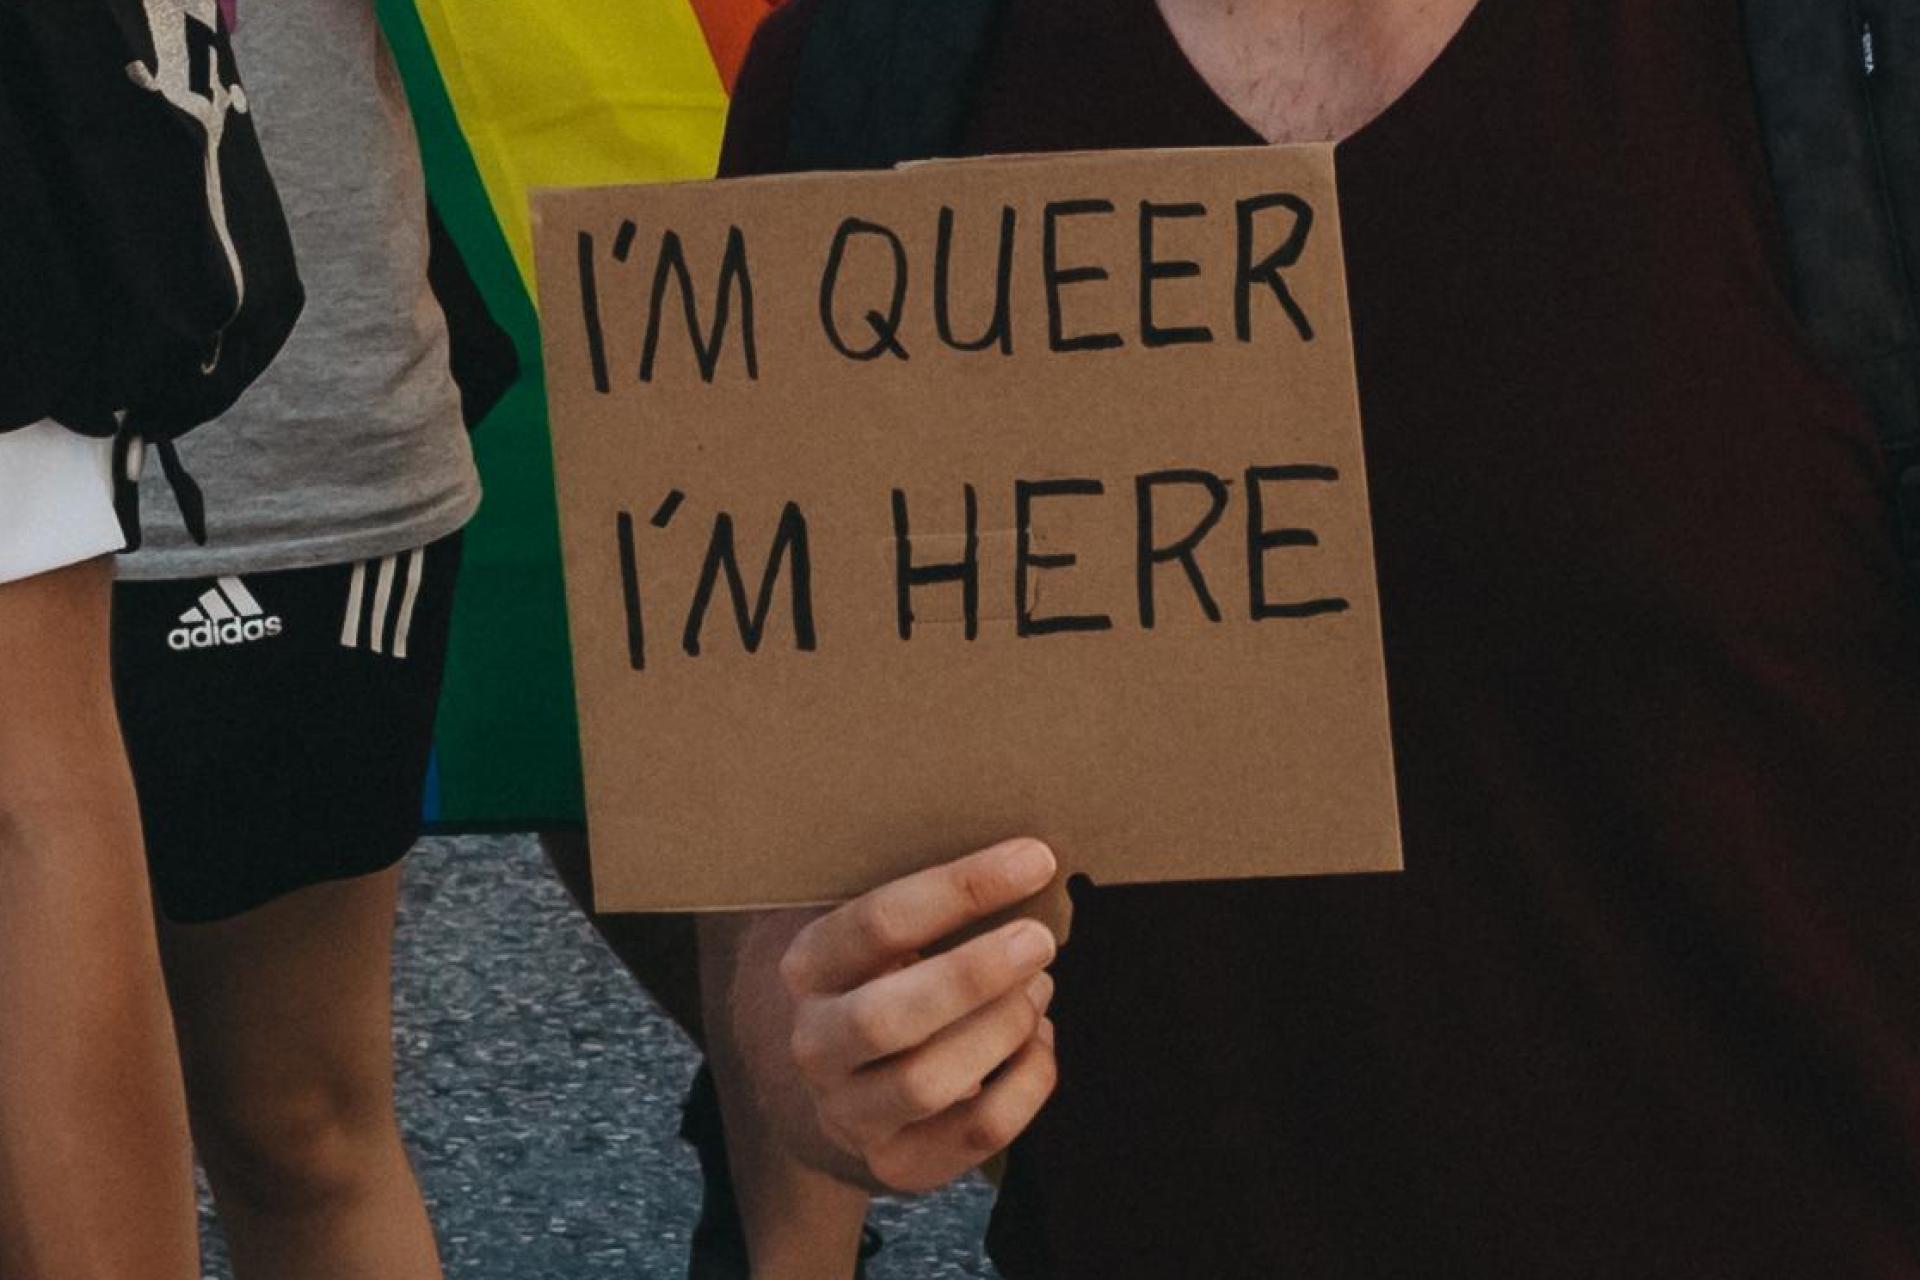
{"points": [[907, 512], [1052, 907]]}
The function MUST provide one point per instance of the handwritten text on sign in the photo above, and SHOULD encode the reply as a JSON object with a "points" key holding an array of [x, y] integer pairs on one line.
{"points": [[836, 452]]}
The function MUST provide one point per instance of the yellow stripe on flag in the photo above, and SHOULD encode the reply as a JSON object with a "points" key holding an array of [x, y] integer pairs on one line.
{"points": [[565, 93]]}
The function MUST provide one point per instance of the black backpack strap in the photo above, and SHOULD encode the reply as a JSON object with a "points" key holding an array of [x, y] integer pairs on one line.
{"points": [[1839, 89], [886, 81]]}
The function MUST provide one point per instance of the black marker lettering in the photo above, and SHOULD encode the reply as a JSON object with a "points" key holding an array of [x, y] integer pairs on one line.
{"points": [[1024, 493], [1152, 269], [1057, 277], [1267, 270], [908, 575], [630, 593], [1182, 550], [790, 537], [886, 327], [1000, 329], [669, 506], [1261, 539], [590, 314], [734, 276]]}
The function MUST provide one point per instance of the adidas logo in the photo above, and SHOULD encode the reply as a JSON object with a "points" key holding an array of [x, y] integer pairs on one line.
{"points": [[226, 614]]}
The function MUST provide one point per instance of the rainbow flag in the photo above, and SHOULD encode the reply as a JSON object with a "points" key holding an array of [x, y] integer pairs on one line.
{"points": [[509, 95]]}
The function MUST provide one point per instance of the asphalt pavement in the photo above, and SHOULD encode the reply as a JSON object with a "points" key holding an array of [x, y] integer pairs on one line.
{"points": [[540, 1091]]}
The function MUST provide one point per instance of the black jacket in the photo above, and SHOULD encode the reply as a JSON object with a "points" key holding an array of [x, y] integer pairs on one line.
{"points": [[145, 265]]}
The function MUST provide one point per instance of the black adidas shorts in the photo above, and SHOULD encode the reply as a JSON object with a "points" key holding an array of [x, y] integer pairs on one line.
{"points": [[280, 724]]}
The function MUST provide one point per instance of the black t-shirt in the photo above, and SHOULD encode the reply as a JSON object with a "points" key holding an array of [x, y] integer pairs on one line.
{"points": [[1646, 1001]]}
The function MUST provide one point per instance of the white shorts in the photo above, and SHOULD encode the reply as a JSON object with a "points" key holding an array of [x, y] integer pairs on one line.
{"points": [[56, 500]]}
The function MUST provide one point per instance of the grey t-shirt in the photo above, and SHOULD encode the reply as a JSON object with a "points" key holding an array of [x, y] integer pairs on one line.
{"points": [[351, 445]]}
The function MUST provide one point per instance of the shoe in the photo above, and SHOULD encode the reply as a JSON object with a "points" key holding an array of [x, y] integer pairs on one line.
{"points": [[871, 1243], [719, 1249]]}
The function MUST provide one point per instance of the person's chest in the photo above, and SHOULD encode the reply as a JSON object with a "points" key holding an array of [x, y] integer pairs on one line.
{"points": [[1564, 304]]}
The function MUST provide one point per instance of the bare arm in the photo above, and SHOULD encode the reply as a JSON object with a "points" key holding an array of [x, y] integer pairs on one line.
{"points": [[94, 1174]]}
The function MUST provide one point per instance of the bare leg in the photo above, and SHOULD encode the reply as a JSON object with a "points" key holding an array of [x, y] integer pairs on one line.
{"points": [[285, 1030], [95, 1182], [799, 1223]]}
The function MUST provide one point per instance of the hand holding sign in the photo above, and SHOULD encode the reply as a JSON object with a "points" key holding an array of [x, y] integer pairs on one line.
{"points": [[921, 1067]]}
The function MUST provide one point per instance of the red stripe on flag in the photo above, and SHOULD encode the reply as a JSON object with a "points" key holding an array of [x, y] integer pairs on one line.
{"points": [[729, 26]]}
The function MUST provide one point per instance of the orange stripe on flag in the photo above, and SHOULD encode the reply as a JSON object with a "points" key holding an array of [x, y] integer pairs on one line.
{"points": [[729, 26]]}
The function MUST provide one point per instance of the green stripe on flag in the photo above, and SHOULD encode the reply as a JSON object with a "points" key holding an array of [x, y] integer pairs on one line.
{"points": [[507, 744]]}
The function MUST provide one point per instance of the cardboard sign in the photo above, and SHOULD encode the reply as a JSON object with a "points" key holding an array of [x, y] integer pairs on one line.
{"points": [[906, 512]]}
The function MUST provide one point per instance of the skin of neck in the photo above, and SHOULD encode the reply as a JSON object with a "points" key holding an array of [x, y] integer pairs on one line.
{"points": [[1312, 70]]}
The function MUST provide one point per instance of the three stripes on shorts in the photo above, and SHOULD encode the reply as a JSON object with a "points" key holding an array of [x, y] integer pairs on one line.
{"points": [[370, 614]]}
